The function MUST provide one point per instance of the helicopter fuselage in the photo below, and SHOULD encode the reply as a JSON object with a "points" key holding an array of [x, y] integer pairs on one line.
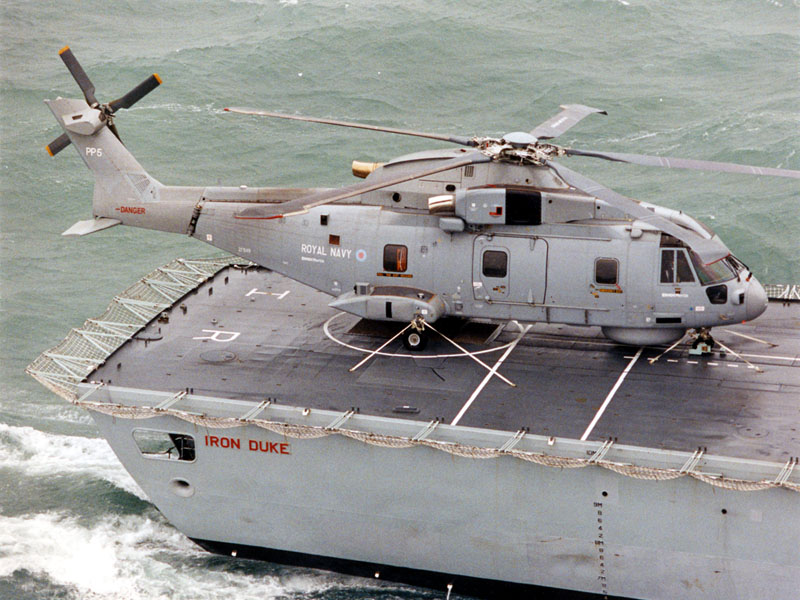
{"points": [[494, 240], [389, 265]]}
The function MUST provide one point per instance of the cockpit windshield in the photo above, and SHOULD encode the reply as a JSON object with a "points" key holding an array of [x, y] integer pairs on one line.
{"points": [[722, 270]]}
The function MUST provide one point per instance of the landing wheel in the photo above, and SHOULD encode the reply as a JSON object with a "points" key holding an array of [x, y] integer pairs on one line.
{"points": [[415, 340], [703, 343]]}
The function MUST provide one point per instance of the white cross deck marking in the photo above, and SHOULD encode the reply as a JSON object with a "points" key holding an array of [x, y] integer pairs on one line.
{"points": [[491, 374], [613, 391], [255, 291]]}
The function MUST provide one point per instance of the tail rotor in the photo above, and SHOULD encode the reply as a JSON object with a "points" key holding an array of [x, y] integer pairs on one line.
{"points": [[108, 109]]}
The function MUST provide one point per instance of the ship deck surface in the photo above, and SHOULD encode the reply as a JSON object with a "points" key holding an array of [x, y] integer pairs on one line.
{"points": [[254, 335]]}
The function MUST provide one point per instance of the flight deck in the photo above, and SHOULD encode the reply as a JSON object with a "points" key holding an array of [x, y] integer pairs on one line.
{"points": [[264, 424], [251, 334]]}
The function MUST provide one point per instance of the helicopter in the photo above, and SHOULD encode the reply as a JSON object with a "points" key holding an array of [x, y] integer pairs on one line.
{"points": [[493, 229]]}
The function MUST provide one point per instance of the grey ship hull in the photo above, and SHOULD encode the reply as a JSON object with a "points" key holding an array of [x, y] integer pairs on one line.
{"points": [[684, 487]]}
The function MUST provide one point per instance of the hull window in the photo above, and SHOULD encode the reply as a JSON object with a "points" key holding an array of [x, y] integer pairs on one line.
{"points": [[164, 445]]}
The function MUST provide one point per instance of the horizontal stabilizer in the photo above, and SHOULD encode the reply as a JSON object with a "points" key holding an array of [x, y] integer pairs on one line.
{"points": [[91, 226]]}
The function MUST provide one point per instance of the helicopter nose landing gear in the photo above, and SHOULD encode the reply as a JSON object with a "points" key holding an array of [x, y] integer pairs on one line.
{"points": [[703, 344], [415, 337]]}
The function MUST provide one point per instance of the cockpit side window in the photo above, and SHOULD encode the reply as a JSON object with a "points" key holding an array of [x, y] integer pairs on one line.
{"points": [[683, 270], [667, 266], [675, 266]]}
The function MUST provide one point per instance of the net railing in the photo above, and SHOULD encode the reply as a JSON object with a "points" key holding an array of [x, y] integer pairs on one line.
{"points": [[62, 367]]}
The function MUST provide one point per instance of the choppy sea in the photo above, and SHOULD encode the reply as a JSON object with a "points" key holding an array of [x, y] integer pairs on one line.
{"points": [[701, 79]]}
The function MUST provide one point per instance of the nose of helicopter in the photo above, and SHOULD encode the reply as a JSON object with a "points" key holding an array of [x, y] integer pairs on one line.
{"points": [[755, 299]]}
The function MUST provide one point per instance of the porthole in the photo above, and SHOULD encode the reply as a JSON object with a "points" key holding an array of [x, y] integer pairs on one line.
{"points": [[182, 488]]}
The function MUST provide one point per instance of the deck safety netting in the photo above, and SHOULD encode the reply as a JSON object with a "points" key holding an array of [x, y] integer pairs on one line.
{"points": [[62, 367]]}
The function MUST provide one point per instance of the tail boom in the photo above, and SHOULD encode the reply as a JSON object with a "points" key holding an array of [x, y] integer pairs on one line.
{"points": [[124, 193]]}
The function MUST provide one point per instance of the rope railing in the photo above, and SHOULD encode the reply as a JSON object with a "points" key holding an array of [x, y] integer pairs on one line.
{"points": [[298, 431]]}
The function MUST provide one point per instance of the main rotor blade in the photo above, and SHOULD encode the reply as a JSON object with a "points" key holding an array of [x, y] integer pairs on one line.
{"points": [[58, 144], [709, 250], [683, 163], [136, 94], [87, 87], [455, 139], [300, 205], [569, 116]]}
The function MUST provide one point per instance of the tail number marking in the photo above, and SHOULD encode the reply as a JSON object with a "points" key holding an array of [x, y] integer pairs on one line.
{"points": [[92, 151]]}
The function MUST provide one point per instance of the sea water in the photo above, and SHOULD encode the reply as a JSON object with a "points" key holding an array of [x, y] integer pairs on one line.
{"points": [[706, 80]]}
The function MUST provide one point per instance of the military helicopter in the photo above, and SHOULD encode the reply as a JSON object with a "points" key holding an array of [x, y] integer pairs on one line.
{"points": [[493, 229]]}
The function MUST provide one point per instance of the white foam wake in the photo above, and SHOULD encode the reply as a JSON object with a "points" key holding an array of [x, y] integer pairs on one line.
{"points": [[38, 453], [131, 558]]}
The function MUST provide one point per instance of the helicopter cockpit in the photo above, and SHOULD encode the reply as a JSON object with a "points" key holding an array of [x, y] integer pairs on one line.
{"points": [[675, 269]]}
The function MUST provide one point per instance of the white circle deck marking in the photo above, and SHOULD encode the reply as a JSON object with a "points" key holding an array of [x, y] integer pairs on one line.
{"points": [[326, 329]]}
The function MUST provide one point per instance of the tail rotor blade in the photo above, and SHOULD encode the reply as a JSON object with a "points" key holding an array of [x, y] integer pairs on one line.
{"points": [[58, 144], [136, 94], [87, 87], [113, 129]]}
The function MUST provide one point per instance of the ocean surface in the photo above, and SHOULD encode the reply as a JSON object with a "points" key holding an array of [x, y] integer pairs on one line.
{"points": [[707, 80]]}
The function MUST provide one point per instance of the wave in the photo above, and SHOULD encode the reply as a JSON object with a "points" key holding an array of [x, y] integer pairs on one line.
{"points": [[133, 558], [37, 453]]}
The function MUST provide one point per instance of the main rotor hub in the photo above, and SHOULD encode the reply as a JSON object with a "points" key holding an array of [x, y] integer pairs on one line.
{"points": [[519, 139], [520, 148]]}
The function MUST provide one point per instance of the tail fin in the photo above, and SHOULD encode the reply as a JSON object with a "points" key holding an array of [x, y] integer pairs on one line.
{"points": [[123, 189]]}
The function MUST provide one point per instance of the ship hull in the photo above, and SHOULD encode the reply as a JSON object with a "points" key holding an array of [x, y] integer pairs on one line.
{"points": [[422, 516]]}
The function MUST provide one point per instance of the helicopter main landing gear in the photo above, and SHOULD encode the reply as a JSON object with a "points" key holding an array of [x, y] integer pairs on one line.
{"points": [[703, 344], [415, 337]]}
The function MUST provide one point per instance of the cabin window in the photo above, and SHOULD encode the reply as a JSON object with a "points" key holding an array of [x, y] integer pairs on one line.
{"points": [[606, 271], [495, 263], [395, 258], [164, 445], [675, 267]]}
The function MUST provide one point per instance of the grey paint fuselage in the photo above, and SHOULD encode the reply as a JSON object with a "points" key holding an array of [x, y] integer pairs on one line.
{"points": [[550, 275]]}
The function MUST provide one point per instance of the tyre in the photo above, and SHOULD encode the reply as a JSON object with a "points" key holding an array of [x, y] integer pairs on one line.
{"points": [[414, 340]]}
